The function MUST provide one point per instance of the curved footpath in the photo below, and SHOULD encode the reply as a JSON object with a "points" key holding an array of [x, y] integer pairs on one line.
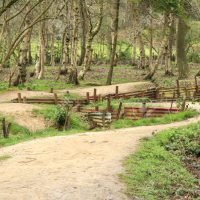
{"points": [[77, 167], [103, 90]]}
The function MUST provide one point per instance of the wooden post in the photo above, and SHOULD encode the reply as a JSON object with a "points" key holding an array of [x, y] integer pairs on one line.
{"points": [[19, 97], [88, 97], [173, 98], [99, 98], [196, 84], [144, 109], [117, 92], [51, 90], [24, 100], [103, 118], [96, 108], [6, 130], [79, 108], [95, 94], [157, 93], [119, 110], [178, 88], [55, 98], [108, 104]]}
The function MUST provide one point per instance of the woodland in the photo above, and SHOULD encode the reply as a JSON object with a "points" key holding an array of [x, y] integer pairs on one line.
{"points": [[73, 38]]}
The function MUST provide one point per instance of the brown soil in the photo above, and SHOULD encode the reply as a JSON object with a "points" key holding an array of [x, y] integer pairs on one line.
{"points": [[79, 167], [22, 114]]}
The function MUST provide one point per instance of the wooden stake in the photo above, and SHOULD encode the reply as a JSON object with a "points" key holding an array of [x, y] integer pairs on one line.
{"points": [[108, 104], [95, 94], [6, 130], [51, 90], [55, 98], [88, 97], [178, 88], [196, 84], [24, 100], [144, 109], [116, 91], [96, 108], [19, 97], [119, 110]]}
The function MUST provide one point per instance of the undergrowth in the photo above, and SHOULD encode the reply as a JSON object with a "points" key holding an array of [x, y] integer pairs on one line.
{"points": [[157, 170]]}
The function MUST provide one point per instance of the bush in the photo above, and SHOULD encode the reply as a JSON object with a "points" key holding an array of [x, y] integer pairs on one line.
{"points": [[194, 57]]}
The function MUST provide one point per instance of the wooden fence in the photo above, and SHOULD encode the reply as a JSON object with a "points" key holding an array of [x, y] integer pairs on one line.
{"points": [[155, 94], [48, 100], [99, 119], [133, 113], [188, 92], [136, 113]]}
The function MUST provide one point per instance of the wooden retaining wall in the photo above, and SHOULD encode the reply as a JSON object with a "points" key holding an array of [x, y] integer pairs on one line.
{"points": [[100, 119], [136, 113]]}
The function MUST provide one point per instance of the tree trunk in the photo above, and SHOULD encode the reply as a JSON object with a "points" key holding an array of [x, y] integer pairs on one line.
{"points": [[182, 64], [42, 50], [142, 53], [83, 13], [114, 36], [73, 72], [93, 31], [52, 62], [151, 43], [23, 59]]}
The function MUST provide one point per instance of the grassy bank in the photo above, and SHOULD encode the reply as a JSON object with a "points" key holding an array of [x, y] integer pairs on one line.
{"points": [[157, 170], [166, 119], [78, 124]]}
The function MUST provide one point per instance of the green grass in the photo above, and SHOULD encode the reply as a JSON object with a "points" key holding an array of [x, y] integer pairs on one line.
{"points": [[166, 119], [50, 114], [79, 124], [115, 103], [154, 173], [45, 85], [4, 157], [20, 134]]}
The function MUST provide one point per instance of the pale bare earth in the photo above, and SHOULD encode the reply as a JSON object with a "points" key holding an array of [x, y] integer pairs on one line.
{"points": [[104, 90], [126, 87], [23, 115], [79, 167]]}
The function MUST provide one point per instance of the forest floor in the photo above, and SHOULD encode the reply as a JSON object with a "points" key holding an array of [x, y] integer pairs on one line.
{"points": [[83, 166], [96, 77]]}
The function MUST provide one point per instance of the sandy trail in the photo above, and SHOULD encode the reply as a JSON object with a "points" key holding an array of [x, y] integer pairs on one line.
{"points": [[104, 90], [78, 167], [22, 115], [126, 87]]}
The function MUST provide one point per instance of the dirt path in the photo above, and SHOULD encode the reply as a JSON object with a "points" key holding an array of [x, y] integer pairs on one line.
{"points": [[78, 167], [126, 87], [22, 115], [103, 90]]}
